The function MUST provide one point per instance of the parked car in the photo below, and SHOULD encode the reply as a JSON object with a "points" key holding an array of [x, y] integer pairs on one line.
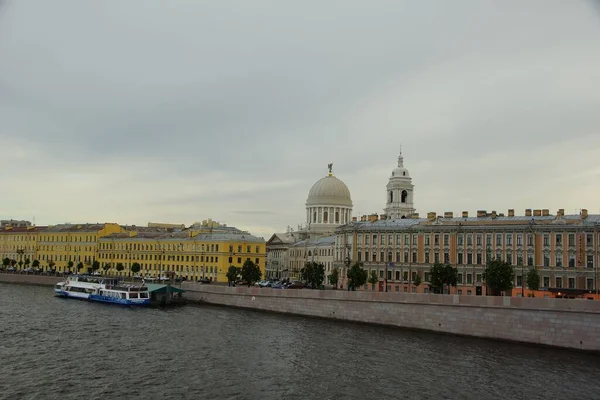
{"points": [[204, 280]]}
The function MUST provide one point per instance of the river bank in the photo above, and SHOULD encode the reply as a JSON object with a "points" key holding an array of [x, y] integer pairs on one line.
{"points": [[563, 323]]}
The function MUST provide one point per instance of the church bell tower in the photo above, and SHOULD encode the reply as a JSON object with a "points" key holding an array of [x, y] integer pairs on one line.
{"points": [[400, 191]]}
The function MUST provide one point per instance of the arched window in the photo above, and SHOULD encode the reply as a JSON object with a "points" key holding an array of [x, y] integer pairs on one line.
{"points": [[337, 217], [404, 196], [325, 214], [403, 173], [403, 217], [391, 196], [315, 216]]}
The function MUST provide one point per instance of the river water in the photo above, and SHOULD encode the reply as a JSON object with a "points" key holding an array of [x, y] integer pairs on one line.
{"points": [[52, 348]]}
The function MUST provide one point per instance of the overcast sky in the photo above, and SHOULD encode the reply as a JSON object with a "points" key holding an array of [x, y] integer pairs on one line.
{"points": [[138, 111]]}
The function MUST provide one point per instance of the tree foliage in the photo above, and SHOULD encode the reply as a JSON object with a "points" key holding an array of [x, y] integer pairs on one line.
{"points": [[499, 276], [135, 267], [27, 262], [232, 274], [6, 261], [35, 263], [120, 267], [417, 280], [313, 274], [106, 267], [334, 277], [250, 272], [357, 276], [442, 275], [533, 279], [70, 265], [79, 266], [95, 265], [373, 278]]}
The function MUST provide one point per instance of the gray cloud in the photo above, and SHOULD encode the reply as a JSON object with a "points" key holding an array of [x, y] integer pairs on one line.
{"points": [[143, 111]]}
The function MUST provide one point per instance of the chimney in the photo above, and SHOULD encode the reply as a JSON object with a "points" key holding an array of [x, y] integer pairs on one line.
{"points": [[465, 214], [431, 215], [383, 217], [537, 213], [545, 212], [560, 212], [363, 218], [511, 212], [481, 213], [448, 214], [354, 219], [584, 213], [528, 212], [373, 217], [501, 214], [415, 216], [494, 215]]}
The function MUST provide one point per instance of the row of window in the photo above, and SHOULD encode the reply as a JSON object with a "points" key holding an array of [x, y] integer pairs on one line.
{"points": [[572, 262], [500, 239]]}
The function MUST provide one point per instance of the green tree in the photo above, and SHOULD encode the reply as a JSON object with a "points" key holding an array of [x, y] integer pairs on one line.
{"points": [[357, 276], [442, 275], [51, 265], [416, 280], [313, 274], [95, 266], [373, 279], [120, 267], [5, 262], [70, 265], [20, 263], [13, 262], [250, 272], [79, 266], [334, 277], [533, 279], [135, 267], [106, 267], [499, 276], [27, 262], [35, 264], [232, 275]]}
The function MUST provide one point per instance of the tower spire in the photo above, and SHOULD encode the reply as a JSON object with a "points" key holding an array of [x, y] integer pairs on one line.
{"points": [[400, 159]]}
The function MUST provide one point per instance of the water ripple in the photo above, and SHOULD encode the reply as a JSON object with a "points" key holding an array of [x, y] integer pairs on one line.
{"points": [[53, 348]]}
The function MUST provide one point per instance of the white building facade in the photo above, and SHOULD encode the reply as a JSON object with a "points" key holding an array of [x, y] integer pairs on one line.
{"points": [[400, 193]]}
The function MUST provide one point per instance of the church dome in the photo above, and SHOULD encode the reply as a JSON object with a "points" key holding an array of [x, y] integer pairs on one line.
{"points": [[329, 191]]}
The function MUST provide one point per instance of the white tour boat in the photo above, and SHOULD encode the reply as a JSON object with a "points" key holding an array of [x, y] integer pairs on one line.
{"points": [[104, 290]]}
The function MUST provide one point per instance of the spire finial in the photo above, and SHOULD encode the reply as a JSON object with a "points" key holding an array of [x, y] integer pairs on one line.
{"points": [[401, 159], [330, 166]]}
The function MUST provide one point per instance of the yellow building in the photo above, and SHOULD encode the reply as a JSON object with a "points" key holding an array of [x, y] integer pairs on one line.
{"points": [[194, 253], [204, 250]]}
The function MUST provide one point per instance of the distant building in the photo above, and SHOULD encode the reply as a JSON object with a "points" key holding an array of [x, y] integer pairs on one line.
{"points": [[564, 249], [14, 223], [277, 254]]}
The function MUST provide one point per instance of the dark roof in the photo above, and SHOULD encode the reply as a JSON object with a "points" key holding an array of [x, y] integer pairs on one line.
{"points": [[160, 288]]}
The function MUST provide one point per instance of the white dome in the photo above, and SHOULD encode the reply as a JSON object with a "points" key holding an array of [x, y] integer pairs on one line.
{"points": [[329, 191], [400, 173]]}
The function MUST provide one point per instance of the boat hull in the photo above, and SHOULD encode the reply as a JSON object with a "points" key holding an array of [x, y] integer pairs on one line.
{"points": [[63, 293], [123, 302]]}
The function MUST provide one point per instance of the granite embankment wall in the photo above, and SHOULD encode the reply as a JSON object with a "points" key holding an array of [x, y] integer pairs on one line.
{"points": [[25, 279], [555, 322]]}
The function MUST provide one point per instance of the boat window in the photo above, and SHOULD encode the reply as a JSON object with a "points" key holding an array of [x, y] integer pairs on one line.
{"points": [[133, 295], [143, 295], [123, 295]]}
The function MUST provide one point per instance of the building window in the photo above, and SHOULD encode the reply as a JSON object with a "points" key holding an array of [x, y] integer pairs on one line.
{"points": [[546, 239], [478, 239], [546, 260], [571, 261], [469, 258], [559, 239], [559, 260], [414, 257], [381, 257], [530, 240], [460, 239], [383, 240], [426, 240], [374, 257], [571, 283], [530, 260], [498, 239], [469, 279], [460, 258], [436, 257], [509, 238], [558, 282], [590, 261], [446, 258], [436, 240], [405, 257], [426, 257], [479, 259], [589, 240], [460, 278], [470, 239], [375, 240], [590, 284], [571, 239], [519, 239], [446, 240], [478, 277], [519, 279]]}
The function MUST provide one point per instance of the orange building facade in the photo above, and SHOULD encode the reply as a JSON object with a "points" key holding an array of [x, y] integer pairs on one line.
{"points": [[564, 249]]}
